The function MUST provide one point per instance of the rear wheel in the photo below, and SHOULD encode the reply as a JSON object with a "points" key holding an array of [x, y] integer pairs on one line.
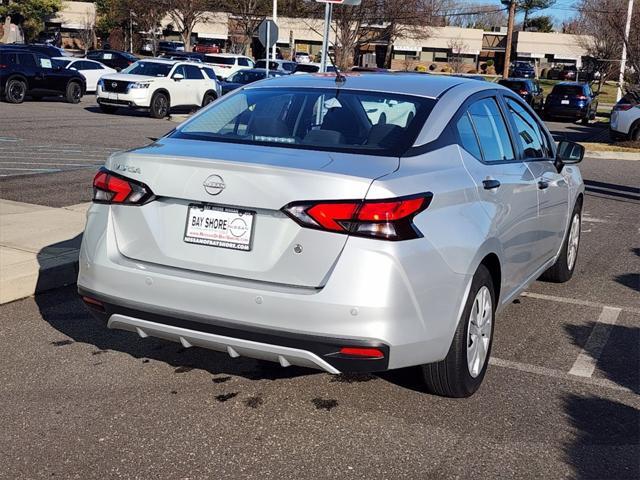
{"points": [[15, 90], [108, 108], [563, 269], [159, 105], [634, 133], [74, 92], [462, 371], [208, 98]]}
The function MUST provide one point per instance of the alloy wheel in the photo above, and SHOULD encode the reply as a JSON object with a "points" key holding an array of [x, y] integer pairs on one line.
{"points": [[573, 242], [479, 331], [17, 91]]}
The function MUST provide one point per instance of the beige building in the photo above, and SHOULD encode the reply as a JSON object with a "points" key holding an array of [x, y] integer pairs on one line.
{"points": [[551, 48], [74, 16]]}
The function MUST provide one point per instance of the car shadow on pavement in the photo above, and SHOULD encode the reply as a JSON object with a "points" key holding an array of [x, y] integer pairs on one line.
{"points": [[620, 358], [62, 308], [606, 441], [612, 189]]}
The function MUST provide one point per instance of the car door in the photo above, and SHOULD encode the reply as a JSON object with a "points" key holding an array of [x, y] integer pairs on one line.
{"points": [[179, 91], [535, 149], [506, 188], [54, 80], [92, 71], [33, 72], [195, 84]]}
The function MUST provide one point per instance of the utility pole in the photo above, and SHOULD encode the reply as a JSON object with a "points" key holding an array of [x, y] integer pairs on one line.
{"points": [[507, 50], [325, 43], [623, 62]]}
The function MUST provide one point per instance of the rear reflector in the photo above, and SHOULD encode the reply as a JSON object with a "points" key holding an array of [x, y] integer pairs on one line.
{"points": [[622, 107], [93, 303], [111, 188], [388, 219], [362, 352]]}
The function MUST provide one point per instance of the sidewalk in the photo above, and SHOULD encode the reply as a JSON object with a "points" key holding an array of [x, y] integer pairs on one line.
{"points": [[38, 247]]}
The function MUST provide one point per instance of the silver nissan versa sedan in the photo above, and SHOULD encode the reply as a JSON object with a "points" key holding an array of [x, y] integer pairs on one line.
{"points": [[356, 223]]}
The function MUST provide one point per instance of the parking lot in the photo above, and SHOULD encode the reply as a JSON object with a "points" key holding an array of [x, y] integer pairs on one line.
{"points": [[560, 400]]}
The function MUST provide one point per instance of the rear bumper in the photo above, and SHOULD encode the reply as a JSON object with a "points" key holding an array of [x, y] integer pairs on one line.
{"points": [[285, 348], [566, 112]]}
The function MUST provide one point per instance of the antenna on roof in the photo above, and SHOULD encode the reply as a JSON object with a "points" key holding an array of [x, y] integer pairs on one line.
{"points": [[340, 78]]}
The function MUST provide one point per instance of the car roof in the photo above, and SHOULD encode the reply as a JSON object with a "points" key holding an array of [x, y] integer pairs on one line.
{"points": [[226, 55], [429, 86], [570, 84]]}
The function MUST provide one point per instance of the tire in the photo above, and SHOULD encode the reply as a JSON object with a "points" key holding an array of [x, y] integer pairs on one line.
{"points": [[565, 265], [461, 373], [73, 93], [159, 105], [108, 108], [634, 133], [208, 98], [15, 90]]}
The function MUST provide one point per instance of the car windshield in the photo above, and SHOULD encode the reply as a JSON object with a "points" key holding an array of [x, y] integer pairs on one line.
{"points": [[317, 119], [567, 90], [307, 68], [220, 60], [513, 85], [149, 69], [245, 76], [128, 56]]}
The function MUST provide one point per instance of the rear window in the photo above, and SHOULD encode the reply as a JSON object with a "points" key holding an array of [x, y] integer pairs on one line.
{"points": [[221, 60], [61, 63], [513, 85], [317, 119], [567, 90]]}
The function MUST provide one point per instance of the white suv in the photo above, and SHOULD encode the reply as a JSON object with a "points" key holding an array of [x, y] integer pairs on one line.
{"points": [[158, 85], [226, 64], [625, 118]]}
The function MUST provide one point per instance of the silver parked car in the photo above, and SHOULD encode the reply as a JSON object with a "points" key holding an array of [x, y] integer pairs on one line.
{"points": [[351, 224]]}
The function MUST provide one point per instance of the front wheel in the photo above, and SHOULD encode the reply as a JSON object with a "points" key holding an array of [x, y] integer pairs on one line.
{"points": [[563, 269], [462, 371], [208, 98], [159, 105], [74, 92], [15, 91]]}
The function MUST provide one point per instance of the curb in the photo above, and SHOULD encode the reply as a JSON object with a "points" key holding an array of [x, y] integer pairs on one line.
{"points": [[608, 155], [61, 272]]}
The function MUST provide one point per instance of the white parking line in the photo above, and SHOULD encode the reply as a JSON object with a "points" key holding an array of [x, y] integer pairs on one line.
{"points": [[585, 364], [559, 374], [575, 301]]}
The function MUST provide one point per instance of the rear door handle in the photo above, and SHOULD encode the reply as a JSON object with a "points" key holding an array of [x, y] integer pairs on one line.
{"points": [[543, 184], [490, 184]]}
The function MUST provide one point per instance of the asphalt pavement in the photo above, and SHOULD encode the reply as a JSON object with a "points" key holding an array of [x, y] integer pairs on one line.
{"points": [[561, 398]]}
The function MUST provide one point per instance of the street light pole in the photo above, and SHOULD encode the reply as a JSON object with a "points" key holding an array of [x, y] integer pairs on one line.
{"points": [[325, 42], [623, 62], [507, 50], [275, 20]]}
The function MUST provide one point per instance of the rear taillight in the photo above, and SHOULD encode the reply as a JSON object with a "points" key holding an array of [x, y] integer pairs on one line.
{"points": [[581, 97], [524, 92], [111, 188], [3, 66], [622, 107], [389, 219]]}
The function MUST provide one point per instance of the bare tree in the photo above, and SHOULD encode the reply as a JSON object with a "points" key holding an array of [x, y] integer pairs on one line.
{"points": [[456, 59], [87, 34], [185, 14], [246, 16], [148, 18], [603, 23]]}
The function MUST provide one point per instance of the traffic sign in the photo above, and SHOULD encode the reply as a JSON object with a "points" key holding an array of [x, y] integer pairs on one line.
{"points": [[268, 33]]}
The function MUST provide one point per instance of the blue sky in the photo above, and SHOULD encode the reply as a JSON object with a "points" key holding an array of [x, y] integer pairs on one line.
{"points": [[562, 10]]}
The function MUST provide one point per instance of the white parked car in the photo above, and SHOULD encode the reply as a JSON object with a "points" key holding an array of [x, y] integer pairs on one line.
{"points": [[90, 69], [158, 85], [302, 57], [283, 66], [625, 118], [226, 64]]}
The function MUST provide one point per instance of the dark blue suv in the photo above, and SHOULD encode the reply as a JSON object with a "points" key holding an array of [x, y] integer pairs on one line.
{"points": [[571, 100], [522, 70], [23, 72]]}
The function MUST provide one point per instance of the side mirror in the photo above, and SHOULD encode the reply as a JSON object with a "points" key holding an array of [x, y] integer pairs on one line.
{"points": [[178, 76], [568, 153]]}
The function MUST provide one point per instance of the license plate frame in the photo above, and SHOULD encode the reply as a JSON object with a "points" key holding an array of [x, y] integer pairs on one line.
{"points": [[564, 102], [236, 215]]}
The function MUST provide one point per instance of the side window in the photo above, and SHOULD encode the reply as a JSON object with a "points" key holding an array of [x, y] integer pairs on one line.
{"points": [[43, 61], [492, 131], [210, 73], [179, 70], [530, 135], [26, 59], [243, 62], [193, 73], [468, 136]]}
